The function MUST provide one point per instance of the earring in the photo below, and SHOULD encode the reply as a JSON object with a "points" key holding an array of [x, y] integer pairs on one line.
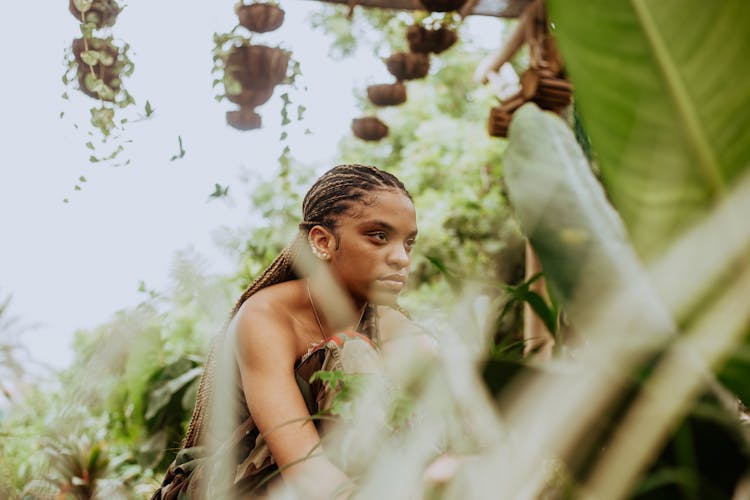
{"points": [[318, 253]]}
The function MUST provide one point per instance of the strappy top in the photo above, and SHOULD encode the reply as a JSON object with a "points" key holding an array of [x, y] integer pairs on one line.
{"points": [[350, 352]]}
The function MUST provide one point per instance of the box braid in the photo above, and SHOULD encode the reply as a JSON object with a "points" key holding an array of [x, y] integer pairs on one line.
{"points": [[332, 194]]}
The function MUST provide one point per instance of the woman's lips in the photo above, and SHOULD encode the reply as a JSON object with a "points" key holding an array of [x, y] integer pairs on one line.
{"points": [[395, 282]]}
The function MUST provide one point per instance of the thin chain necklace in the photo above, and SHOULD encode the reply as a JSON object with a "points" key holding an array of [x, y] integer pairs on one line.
{"points": [[315, 311]]}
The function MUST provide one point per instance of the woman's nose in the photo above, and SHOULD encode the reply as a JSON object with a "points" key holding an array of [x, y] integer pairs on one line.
{"points": [[399, 257]]}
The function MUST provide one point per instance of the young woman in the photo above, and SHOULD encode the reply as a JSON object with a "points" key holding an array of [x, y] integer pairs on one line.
{"points": [[356, 236]]}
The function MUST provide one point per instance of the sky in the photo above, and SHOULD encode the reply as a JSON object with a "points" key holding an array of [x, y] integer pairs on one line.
{"points": [[71, 265]]}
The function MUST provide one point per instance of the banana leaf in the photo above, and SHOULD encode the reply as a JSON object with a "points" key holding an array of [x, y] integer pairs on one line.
{"points": [[578, 236], [663, 89]]}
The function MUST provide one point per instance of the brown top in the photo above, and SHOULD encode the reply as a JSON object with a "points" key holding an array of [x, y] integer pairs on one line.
{"points": [[255, 468]]}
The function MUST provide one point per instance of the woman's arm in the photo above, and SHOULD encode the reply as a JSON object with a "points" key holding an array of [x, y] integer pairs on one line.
{"points": [[266, 354]]}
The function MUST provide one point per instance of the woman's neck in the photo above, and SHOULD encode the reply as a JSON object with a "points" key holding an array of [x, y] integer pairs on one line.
{"points": [[333, 317]]}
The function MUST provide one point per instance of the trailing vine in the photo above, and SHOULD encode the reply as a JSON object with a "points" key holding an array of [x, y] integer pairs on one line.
{"points": [[98, 64], [246, 73]]}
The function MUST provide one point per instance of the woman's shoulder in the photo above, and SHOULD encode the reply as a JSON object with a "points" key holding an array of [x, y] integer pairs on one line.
{"points": [[266, 319]]}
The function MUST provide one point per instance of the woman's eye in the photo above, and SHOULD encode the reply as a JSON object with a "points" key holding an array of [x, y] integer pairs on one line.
{"points": [[410, 243], [379, 236]]}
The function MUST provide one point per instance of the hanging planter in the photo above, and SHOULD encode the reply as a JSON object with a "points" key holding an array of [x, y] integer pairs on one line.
{"points": [[442, 5], [426, 40], [408, 65], [260, 17], [244, 118], [251, 72], [250, 97], [387, 94], [256, 66], [500, 116], [248, 73], [100, 13], [369, 128], [99, 67], [545, 89]]}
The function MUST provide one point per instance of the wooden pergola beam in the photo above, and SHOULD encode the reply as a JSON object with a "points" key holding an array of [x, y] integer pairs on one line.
{"points": [[496, 8]]}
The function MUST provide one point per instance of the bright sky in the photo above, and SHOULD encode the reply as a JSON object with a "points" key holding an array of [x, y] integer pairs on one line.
{"points": [[70, 266]]}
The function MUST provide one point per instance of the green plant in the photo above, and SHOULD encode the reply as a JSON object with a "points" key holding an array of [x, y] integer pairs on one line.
{"points": [[248, 74], [670, 143], [99, 65], [78, 466]]}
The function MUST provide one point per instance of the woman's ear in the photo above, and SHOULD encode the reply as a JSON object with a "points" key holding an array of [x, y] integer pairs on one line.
{"points": [[322, 242]]}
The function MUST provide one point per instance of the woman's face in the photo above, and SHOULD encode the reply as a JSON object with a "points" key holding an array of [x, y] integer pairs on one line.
{"points": [[375, 239]]}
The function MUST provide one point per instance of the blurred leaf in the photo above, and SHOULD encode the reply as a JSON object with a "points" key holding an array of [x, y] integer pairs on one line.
{"points": [[735, 374], [219, 191], [578, 236], [161, 396], [545, 312], [668, 137], [181, 153], [498, 373]]}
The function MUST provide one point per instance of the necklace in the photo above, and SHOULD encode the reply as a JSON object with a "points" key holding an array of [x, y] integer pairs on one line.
{"points": [[315, 311]]}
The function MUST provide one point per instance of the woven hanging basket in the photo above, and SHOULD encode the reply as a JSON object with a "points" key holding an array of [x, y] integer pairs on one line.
{"points": [[260, 17], [408, 65], [442, 5], [244, 118], [426, 40], [387, 94], [257, 66], [545, 89], [500, 116], [109, 73], [251, 97], [102, 13], [369, 128]]}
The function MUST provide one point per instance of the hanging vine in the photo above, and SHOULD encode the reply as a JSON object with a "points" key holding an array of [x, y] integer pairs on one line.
{"points": [[247, 74], [98, 64]]}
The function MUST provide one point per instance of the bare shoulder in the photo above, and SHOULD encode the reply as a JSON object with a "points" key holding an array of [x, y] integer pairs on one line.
{"points": [[264, 329]]}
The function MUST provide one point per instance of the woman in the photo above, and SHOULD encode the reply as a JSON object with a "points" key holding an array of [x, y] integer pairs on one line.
{"points": [[359, 226]]}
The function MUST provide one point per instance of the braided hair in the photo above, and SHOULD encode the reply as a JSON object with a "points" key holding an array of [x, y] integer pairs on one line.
{"points": [[333, 194]]}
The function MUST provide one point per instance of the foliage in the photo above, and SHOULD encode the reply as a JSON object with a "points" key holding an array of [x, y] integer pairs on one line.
{"points": [[100, 65], [548, 313], [345, 386], [580, 240], [381, 31], [145, 363], [348, 388], [634, 382], [671, 141], [588, 259], [688, 123], [13, 356]]}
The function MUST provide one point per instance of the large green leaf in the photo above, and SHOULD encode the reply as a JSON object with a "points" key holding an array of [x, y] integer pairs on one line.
{"points": [[664, 91], [578, 236]]}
